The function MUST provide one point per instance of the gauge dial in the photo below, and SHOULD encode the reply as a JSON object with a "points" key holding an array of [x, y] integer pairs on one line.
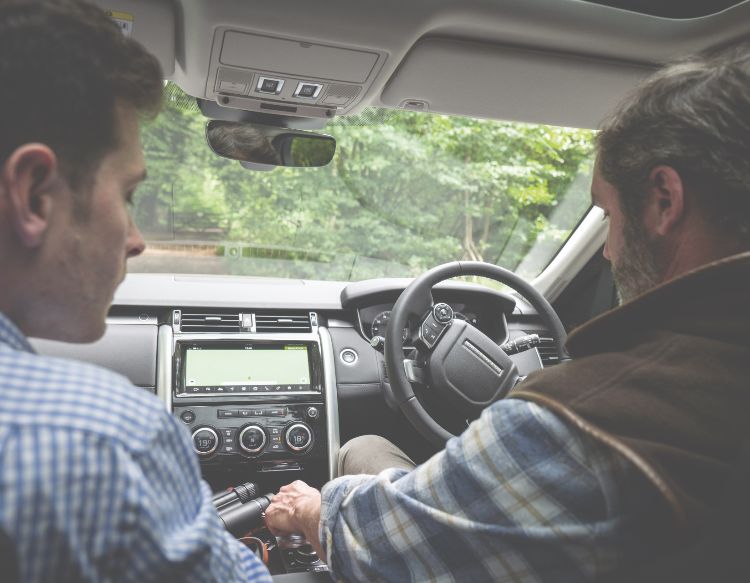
{"points": [[470, 318], [380, 323]]}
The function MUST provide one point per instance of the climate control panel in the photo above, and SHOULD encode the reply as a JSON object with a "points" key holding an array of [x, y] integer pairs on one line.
{"points": [[262, 434]]}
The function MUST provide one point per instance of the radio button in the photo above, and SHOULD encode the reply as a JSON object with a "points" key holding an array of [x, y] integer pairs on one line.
{"points": [[298, 437], [252, 412], [252, 438], [205, 441]]}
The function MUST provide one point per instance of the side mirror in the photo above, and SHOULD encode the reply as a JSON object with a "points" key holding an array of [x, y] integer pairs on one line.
{"points": [[269, 146]]}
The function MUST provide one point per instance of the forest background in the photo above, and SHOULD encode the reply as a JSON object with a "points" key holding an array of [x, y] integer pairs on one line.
{"points": [[406, 191]]}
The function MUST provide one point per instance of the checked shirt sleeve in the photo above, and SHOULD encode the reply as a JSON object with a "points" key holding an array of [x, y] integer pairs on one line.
{"points": [[517, 497], [83, 507]]}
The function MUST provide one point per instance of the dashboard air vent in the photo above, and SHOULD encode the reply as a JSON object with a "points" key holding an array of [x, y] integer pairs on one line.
{"points": [[210, 322], [547, 351], [282, 323]]}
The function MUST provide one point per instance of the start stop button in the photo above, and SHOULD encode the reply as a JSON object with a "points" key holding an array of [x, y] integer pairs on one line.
{"points": [[348, 356]]}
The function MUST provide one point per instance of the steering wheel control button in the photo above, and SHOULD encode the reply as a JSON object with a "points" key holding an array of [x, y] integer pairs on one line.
{"points": [[252, 439], [429, 336], [443, 313], [205, 441], [348, 356], [312, 413], [298, 437], [187, 416]]}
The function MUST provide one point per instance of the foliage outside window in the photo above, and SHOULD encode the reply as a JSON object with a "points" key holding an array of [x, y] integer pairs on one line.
{"points": [[406, 191]]}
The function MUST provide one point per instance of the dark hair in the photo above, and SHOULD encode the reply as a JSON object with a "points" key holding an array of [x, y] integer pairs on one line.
{"points": [[64, 68], [241, 142], [692, 115]]}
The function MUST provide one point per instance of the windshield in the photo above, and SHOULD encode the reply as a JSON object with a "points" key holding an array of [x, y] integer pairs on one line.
{"points": [[406, 191]]}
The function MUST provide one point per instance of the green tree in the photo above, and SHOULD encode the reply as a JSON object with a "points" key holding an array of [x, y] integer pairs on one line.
{"points": [[405, 191]]}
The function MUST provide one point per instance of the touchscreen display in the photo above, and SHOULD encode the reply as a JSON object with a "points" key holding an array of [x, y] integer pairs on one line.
{"points": [[249, 366]]}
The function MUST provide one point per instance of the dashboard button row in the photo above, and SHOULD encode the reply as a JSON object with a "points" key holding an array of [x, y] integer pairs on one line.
{"points": [[236, 413], [239, 389], [252, 439]]}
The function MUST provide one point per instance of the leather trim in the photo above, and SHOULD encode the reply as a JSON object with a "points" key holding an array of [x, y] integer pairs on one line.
{"points": [[610, 440]]}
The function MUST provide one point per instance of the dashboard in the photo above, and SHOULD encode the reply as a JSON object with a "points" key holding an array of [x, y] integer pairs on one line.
{"points": [[270, 376]]}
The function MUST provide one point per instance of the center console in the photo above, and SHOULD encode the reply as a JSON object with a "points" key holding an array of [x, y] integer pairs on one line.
{"points": [[257, 392], [260, 406]]}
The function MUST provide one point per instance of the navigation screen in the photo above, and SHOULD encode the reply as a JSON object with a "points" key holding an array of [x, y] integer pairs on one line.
{"points": [[249, 366]]}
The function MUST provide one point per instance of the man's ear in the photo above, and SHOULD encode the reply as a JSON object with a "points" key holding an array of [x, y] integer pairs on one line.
{"points": [[27, 181], [666, 206]]}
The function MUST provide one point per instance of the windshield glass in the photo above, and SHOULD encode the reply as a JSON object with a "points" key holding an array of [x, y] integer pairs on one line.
{"points": [[406, 191]]}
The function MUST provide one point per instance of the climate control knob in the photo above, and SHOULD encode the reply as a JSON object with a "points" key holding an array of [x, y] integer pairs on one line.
{"points": [[252, 438], [205, 441], [298, 437]]}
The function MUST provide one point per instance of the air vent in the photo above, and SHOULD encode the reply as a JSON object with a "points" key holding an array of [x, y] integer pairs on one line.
{"points": [[210, 322], [282, 323], [547, 351]]}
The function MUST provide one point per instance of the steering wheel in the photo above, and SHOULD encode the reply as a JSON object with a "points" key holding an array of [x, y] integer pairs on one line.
{"points": [[466, 369]]}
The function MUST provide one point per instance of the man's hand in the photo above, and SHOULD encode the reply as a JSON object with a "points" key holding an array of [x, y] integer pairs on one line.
{"points": [[296, 508]]}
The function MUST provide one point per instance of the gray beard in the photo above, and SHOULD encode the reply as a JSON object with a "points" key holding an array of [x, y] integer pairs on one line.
{"points": [[637, 269]]}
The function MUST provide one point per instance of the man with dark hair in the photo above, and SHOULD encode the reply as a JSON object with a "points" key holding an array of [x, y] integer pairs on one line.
{"points": [[97, 480], [605, 462]]}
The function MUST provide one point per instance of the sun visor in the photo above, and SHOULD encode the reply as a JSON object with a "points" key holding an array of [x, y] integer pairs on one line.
{"points": [[150, 22], [486, 80]]}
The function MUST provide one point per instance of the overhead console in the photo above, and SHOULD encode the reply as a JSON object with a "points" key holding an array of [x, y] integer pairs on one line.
{"points": [[288, 76]]}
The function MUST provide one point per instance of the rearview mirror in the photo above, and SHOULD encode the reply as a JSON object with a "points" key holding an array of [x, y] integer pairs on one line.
{"points": [[268, 146]]}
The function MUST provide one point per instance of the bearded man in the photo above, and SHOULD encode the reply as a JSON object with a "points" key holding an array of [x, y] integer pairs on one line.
{"points": [[610, 460]]}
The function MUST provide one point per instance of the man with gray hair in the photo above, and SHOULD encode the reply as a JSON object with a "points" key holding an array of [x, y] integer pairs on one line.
{"points": [[606, 462]]}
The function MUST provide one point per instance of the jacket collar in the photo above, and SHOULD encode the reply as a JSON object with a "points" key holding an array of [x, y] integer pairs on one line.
{"points": [[711, 301]]}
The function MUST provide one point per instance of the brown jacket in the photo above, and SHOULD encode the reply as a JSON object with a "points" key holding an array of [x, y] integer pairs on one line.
{"points": [[665, 380]]}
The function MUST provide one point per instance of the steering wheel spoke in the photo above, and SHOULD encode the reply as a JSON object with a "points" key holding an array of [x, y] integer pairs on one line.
{"points": [[414, 372]]}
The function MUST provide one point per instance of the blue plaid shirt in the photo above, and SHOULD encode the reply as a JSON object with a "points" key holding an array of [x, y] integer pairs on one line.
{"points": [[98, 482], [518, 497]]}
